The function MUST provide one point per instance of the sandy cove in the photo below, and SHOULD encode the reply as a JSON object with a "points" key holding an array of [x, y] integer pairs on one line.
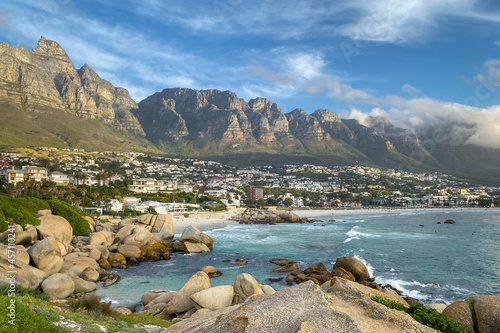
{"points": [[205, 220]]}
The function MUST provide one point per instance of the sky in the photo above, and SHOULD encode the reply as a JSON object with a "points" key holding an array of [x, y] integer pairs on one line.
{"points": [[417, 62]]}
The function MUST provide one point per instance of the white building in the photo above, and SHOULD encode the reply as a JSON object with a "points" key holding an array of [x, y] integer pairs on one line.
{"points": [[59, 178], [115, 205]]}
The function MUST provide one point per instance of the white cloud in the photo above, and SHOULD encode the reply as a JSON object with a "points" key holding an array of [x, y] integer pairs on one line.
{"points": [[337, 89], [410, 90]]}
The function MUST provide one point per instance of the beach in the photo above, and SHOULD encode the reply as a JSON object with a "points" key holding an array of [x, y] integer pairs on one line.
{"points": [[210, 220], [204, 221]]}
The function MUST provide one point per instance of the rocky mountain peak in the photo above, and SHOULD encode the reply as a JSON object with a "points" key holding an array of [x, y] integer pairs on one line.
{"points": [[299, 113], [49, 48], [324, 115], [260, 105]]}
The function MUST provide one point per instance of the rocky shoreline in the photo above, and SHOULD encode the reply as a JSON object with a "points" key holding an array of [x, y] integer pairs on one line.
{"points": [[50, 258]]}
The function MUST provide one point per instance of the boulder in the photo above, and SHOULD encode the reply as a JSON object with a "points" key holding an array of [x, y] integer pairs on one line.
{"points": [[124, 311], [116, 259], [110, 279], [153, 309], [129, 251], [392, 293], [178, 245], [245, 286], [145, 219], [150, 295], [125, 231], [164, 225], [63, 249], [165, 297], [95, 254], [353, 266], [298, 309], [21, 255], [43, 212], [104, 263], [57, 227], [76, 262], [90, 274], [287, 268], [194, 235], [58, 286], [487, 310], [211, 271], [317, 268], [461, 312], [26, 275], [342, 273], [281, 261], [139, 237], [182, 300], [439, 307], [190, 247], [82, 286], [91, 222], [214, 298], [104, 238], [267, 289], [27, 237], [450, 221], [46, 255], [155, 251]]}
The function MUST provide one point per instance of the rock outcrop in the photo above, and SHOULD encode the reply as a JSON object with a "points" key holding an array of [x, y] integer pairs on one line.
{"points": [[304, 308], [46, 78], [480, 313], [264, 216]]}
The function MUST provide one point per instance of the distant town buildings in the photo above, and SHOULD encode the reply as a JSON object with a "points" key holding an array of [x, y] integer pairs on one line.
{"points": [[254, 193]]}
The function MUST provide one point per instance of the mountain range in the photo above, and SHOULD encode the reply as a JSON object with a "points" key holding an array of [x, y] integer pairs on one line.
{"points": [[46, 101]]}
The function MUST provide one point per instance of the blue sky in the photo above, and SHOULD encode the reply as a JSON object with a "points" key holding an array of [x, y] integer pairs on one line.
{"points": [[414, 61]]}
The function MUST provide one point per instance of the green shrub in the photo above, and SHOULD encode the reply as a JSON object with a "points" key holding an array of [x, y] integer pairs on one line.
{"points": [[423, 315], [3, 224], [186, 215], [32, 205], [142, 318], [73, 215], [27, 320], [14, 212], [92, 304], [23, 292]]}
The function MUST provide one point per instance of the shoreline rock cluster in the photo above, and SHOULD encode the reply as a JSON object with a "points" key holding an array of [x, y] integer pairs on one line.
{"points": [[197, 298], [264, 216], [49, 257], [348, 268]]}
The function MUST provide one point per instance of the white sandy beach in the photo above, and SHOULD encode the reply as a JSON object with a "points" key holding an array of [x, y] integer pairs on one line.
{"points": [[205, 221]]}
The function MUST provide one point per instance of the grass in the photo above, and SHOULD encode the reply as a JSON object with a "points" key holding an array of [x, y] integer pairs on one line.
{"points": [[35, 314], [425, 316]]}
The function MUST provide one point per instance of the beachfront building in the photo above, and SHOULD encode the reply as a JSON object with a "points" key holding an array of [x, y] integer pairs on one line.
{"points": [[151, 185]]}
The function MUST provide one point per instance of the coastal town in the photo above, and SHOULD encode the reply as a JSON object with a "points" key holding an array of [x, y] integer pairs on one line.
{"points": [[144, 183]]}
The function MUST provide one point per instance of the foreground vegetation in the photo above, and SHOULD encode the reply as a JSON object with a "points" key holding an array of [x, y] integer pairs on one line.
{"points": [[35, 314], [423, 315]]}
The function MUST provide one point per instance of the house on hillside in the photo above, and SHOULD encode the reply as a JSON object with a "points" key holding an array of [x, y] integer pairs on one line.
{"points": [[59, 178]]}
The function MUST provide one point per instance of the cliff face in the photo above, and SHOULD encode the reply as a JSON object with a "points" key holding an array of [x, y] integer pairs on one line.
{"points": [[213, 122], [46, 78]]}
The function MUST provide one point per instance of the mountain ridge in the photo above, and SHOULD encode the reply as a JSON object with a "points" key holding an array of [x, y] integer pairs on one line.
{"points": [[45, 100]]}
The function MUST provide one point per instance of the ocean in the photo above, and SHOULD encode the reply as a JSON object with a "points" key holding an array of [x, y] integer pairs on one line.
{"points": [[433, 262]]}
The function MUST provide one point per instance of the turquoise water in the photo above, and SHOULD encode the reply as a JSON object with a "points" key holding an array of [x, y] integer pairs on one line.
{"points": [[463, 258]]}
